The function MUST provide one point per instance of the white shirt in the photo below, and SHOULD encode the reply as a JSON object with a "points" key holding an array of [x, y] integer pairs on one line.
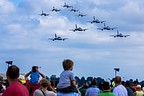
{"points": [[38, 92], [120, 90]]}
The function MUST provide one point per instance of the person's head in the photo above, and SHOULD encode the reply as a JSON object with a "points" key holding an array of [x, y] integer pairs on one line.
{"points": [[117, 80], [12, 72], [34, 68], [138, 87], [93, 83], [127, 84], [106, 86], [45, 83], [67, 64]]}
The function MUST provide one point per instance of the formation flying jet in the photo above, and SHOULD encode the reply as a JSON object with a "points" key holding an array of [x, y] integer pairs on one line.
{"points": [[81, 15], [67, 6], [54, 9], [95, 20], [44, 14], [119, 35], [57, 38], [74, 10], [78, 29], [106, 28]]}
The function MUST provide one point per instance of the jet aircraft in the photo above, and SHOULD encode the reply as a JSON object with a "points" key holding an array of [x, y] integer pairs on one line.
{"points": [[81, 15], [57, 38], [95, 20], [74, 10], [78, 29], [54, 9], [44, 14], [119, 35], [67, 6], [106, 28]]}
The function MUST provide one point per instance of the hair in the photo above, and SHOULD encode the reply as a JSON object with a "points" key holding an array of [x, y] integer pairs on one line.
{"points": [[13, 72], [34, 68], [45, 83], [67, 64], [117, 79], [127, 84], [106, 86], [93, 82]]}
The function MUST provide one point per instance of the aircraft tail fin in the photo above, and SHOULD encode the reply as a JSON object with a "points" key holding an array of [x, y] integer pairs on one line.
{"points": [[117, 32], [76, 25], [93, 17], [55, 35], [104, 24]]}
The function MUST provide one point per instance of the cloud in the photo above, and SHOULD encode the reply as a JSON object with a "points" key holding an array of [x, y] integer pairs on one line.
{"points": [[24, 35]]}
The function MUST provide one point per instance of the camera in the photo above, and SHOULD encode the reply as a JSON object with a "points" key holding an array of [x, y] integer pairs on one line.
{"points": [[9, 62]]}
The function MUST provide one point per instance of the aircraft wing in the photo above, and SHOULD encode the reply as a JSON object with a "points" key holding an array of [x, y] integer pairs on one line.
{"points": [[47, 14], [90, 21], [114, 28], [51, 39], [85, 29], [64, 39], [126, 35], [102, 21], [100, 29], [113, 36], [72, 30]]}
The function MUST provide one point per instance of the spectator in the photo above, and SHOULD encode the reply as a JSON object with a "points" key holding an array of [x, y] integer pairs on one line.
{"points": [[83, 89], [139, 91], [15, 88], [67, 82], [106, 90], [43, 90], [33, 83], [93, 90], [127, 85], [119, 89], [34, 75], [1, 88]]}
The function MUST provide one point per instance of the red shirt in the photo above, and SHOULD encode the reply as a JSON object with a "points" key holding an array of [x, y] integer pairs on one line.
{"points": [[16, 89]]}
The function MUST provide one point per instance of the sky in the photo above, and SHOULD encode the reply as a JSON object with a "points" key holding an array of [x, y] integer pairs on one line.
{"points": [[24, 37]]}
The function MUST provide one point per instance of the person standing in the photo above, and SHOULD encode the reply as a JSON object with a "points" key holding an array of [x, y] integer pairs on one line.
{"points": [[128, 87], [93, 90], [43, 90], [15, 88], [119, 89], [106, 90], [139, 91]]}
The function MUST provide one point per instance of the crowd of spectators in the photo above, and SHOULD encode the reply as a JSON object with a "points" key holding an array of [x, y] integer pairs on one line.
{"points": [[66, 85]]}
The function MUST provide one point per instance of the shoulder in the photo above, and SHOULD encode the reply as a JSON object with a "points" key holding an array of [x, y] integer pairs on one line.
{"points": [[51, 93], [66, 72], [119, 87], [37, 91], [106, 94]]}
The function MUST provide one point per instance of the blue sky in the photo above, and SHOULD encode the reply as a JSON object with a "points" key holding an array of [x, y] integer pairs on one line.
{"points": [[24, 37]]}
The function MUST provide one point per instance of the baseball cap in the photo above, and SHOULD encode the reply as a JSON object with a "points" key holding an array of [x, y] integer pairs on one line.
{"points": [[138, 86]]}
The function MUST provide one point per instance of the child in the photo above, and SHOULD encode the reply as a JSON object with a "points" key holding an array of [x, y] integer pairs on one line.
{"points": [[33, 83], [34, 75], [67, 82]]}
